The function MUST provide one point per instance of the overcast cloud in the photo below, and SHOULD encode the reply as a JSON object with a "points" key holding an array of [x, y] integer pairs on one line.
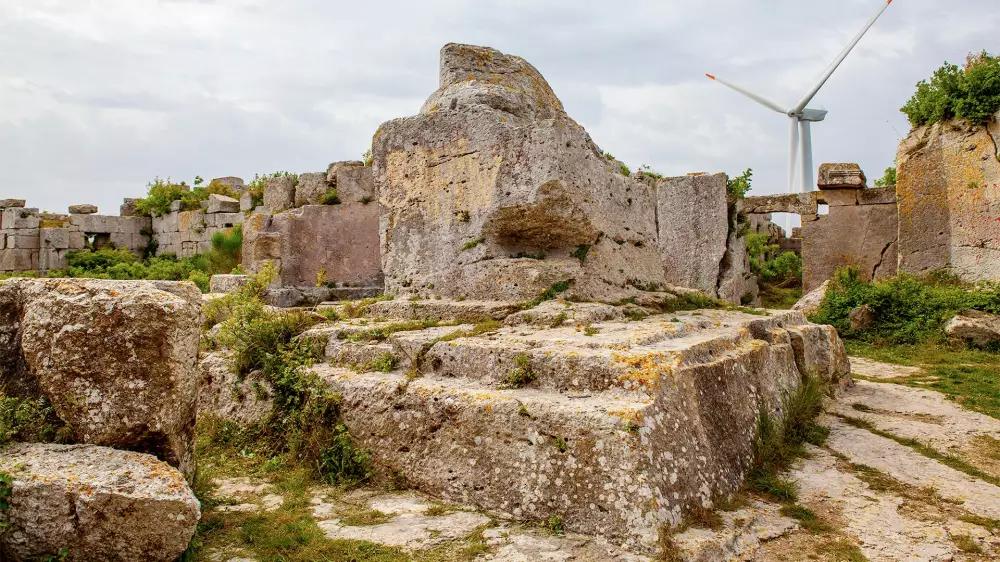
{"points": [[99, 97]]}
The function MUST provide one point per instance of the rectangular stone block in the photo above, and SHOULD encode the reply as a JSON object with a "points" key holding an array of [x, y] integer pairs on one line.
{"points": [[18, 260], [12, 203], [121, 240], [54, 238], [23, 241], [877, 196], [228, 220], [20, 218], [841, 176], [77, 240], [52, 259]]}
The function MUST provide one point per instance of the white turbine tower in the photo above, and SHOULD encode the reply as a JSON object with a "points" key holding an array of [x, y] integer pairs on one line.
{"points": [[800, 143]]}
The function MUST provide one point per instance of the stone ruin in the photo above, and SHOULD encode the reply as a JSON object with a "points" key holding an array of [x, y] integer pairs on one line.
{"points": [[564, 375], [942, 214]]}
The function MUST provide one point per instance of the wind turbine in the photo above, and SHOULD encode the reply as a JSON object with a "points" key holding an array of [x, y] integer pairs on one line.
{"points": [[801, 117]]}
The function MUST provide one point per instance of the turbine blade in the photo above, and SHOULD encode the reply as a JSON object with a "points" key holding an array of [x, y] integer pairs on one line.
{"points": [[840, 58], [759, 99]]}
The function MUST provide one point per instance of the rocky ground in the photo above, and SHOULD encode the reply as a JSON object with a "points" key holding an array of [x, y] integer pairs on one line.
{"points": [[905, 474]]}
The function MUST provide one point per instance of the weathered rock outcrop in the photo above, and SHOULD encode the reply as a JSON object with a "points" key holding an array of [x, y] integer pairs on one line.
{"points": [[617, 427], [948, 186], [494, 192], [96, 503], [117, 359], [222, 393]]}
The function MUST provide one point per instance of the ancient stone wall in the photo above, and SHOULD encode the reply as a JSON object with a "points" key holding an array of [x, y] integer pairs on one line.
{"points": [[186, 233], [948, 182], [857, 227], [315, 245], [36, 241]]}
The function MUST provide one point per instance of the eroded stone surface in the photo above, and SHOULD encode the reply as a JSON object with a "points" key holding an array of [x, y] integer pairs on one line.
{"points": [[96, 502], [974, 327], [600, 430], [117, 359]]}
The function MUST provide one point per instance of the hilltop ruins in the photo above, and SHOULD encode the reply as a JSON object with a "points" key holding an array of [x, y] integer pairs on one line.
{"points": [[583, 355]]}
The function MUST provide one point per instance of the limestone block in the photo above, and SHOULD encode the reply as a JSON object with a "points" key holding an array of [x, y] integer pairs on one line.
{"points": [[54, 238], [3, 240], [99, 224], [12, 203], [228, 220], [858, 235], [121, 240], [18, 260], [977, 328], [83, 209], [222, 204], [279, 193], [493, 170], [23, 241], [310, 242], [19, 217], [127, 208], [353, 180], [693, 224], [227, 283], [246, 201], [189, 249], [175, 206], [52, 259], [242, 399], [841, 176], [798, 203], [232, 182], [77, 240], [877, 196], [97, 503], [310, 189], [117, 359], [165, 223]]}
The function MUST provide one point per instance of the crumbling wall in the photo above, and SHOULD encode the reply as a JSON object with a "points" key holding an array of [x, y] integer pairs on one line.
{"points": [[186, 233], [858, 226], [312, 244], [34, 241], [948, 184]]}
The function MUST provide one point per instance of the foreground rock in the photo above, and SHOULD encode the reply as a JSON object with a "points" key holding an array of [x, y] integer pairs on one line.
{"points": [[810, 303], [117, 359], [977, 328], [95, 502], [616, 427]]}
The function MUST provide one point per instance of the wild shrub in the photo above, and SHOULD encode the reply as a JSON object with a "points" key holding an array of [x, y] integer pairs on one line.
{"points": [[737, 187], [906, 309], [305, 421], [770, 266], [777, 445], [970, 92], [162, 193], [888, 178]]}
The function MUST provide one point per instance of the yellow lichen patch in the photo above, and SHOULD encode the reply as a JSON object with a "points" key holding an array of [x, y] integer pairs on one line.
{"points": [[631, 418], [647, 369]]}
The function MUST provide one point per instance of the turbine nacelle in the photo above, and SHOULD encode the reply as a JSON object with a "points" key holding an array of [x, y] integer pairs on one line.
{"points": [[811, 115]]}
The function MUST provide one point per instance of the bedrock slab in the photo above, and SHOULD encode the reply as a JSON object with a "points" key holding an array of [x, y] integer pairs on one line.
{"points": [[617, 429]]}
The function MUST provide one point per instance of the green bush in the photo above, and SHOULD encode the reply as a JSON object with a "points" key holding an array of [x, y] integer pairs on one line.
{"points": [[113, 263], [971, 92], [739, 186], [162, 193], [305, 421], [907, 309], [888, 178], [783, 268]]}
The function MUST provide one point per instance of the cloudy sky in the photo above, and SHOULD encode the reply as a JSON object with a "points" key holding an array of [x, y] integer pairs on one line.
{"points": [[99, 97]]}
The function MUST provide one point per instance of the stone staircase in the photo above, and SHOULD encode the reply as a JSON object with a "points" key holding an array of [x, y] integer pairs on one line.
{"points": [[613, 423]]}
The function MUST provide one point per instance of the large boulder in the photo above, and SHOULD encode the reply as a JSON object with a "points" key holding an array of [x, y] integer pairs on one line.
{"points": [[117, 359], [948, 189], [96, 503], [810, 303], [493, 192], [977, 328]]}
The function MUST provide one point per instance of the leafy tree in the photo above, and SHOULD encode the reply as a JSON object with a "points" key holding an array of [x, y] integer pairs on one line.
{"points": [[971, 92], [888, 179]]}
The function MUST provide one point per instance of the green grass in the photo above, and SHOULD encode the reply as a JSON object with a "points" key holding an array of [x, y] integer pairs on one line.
{"points": [[521, 375], [969, 377], [772, 296], [805, 516], [383, 332]]}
